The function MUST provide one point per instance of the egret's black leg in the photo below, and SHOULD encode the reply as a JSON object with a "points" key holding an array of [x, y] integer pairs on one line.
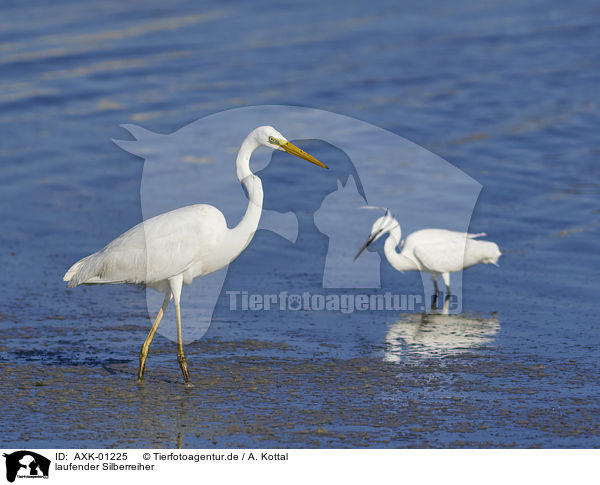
{"points": [[435, 293]]}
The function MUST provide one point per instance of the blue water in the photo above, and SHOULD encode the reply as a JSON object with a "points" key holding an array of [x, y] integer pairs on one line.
{"points": [[505, 91]]}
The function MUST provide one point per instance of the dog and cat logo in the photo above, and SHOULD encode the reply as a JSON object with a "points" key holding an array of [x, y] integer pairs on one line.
{"points": [[26, 464]]}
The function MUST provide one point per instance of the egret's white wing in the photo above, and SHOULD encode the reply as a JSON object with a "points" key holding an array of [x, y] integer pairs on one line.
{"points": [[156, 249], [190, 236], [456, 253], [442, 256]]}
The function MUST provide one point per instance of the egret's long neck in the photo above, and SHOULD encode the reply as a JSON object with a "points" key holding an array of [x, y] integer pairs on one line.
{"points": [[242, 233], [396, 259]]}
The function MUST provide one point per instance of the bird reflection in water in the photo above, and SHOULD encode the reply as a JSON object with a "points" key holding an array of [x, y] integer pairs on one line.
{"points": [[438, 334]]}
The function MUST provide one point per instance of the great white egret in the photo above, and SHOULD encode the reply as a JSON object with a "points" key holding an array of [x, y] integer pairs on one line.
{"points": [[434, 251], [171, 249]]}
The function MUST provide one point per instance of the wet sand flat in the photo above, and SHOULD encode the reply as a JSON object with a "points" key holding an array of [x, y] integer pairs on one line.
{"points": [[472, 401]]}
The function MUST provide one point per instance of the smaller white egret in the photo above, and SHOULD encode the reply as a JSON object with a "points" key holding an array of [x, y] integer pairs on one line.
{"points": [[434, 251], [171, 249]]}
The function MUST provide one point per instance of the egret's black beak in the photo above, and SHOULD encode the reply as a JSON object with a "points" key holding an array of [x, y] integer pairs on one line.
{"points": [[365, 245]]}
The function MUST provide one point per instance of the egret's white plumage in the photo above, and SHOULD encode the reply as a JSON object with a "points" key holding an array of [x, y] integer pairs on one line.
{"points": [[173, 248], [438, 252], [159, 248]]}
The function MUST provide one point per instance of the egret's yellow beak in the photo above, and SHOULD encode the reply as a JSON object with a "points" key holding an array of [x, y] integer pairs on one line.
{"points": [[294, 150]]}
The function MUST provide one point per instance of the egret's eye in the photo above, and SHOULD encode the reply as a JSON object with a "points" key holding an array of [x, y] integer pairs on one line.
{"points": [[273, 140]]}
